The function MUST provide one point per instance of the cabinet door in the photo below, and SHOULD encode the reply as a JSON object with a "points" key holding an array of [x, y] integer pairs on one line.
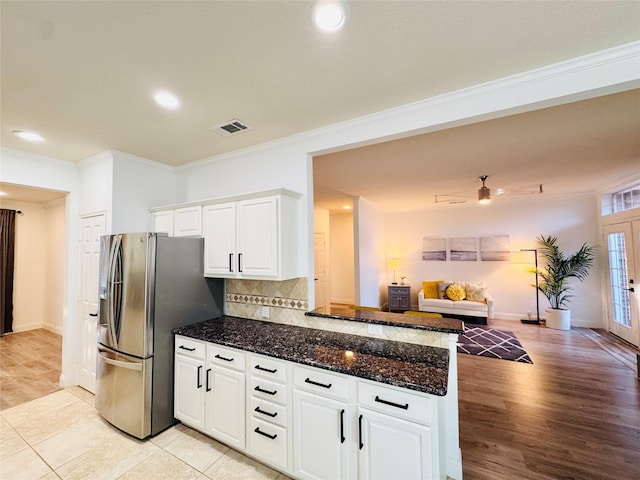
{"points": [[225, 405], [320, 449], [189, 391], [257, 241], [162, 222], [220, 259], [187, 222], [391, 448]]}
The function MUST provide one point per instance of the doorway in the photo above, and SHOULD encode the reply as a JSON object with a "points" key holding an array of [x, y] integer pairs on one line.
{"points": [[623, 255]]}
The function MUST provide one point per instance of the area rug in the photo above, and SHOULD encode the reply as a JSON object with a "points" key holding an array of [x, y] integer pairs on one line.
{"points": [[493, 343]]}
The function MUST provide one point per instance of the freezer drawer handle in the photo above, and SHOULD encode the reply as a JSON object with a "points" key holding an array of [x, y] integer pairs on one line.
{"points": [[268, 392], [224, 358], [324, 385], [258, 367], [387, 402], [118, 363], [187, 348], [264, 412], [272, 437]]}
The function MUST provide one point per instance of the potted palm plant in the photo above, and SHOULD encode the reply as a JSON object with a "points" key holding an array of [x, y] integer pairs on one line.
{"points": [[556, 270]]}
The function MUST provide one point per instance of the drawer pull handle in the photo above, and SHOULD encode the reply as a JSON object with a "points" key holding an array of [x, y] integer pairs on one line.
{"points": [[268, 392], [360, 444], [199, 376], [387, 402], [325, 385], [224, 358], [342, 439], [259, 410], [258, 367], [182, 347], [272, 437]]}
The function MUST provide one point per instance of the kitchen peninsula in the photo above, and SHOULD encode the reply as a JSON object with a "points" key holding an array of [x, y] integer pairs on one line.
{"points": [[322, 404]]}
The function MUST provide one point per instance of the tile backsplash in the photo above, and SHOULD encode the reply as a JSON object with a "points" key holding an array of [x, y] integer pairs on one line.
{"points": [[288, 301]]}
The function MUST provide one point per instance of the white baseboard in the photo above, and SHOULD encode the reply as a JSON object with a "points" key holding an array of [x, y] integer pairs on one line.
{"points": [[26, 327]]}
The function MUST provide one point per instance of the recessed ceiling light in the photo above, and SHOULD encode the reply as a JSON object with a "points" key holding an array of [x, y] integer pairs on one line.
{"points": [[166, 100], [29, 136], [346, 207], [329, 15]]}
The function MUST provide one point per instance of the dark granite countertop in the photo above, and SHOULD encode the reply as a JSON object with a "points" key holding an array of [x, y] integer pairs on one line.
{"points": [[415, 367], [445, 325]]}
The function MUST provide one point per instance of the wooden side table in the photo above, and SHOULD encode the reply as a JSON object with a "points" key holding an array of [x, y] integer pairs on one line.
{"points": [[399, 298]]}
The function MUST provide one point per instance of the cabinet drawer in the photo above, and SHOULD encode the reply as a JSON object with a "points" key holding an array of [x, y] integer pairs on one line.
{"points": [[268, 441], [270, 412], [268, 368], [190, 348], [321, 382], [225, 356], [399, 403], [267, 390], [398, 290]]}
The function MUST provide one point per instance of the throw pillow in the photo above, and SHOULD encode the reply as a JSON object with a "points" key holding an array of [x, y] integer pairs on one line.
{"points": [[442, 290], [430, 289], [476, 292], [456, 292]]}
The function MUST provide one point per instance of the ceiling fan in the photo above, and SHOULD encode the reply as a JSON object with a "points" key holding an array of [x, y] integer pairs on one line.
{"points": [[484, 193]]}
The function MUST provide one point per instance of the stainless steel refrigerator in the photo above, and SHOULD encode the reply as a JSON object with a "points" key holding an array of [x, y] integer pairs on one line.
{"points": [[149, 284]]}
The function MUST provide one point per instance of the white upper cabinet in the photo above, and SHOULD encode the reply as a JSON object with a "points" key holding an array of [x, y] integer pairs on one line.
{"points": [[179, 222], [162, 222], [187, 222], [256, 238]]}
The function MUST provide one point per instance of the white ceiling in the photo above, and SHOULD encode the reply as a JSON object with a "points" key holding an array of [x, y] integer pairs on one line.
{"points": [[82, 74]]}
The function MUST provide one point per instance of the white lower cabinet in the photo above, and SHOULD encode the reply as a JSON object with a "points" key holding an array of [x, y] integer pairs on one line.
{"points": [[391, 448], [210, 390], [320, 443], [307, 422]]}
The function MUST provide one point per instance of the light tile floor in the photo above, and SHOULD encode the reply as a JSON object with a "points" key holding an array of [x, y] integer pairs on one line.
{"points": [[61, 436]]}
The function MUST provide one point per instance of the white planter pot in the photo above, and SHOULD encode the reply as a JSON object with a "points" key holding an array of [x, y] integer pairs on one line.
{"points": [[559, 319]]}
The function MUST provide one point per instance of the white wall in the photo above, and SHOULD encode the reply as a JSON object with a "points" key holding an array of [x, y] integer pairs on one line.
{"points": [[56, 261], [341, 259], [138, 185], [369, 252], [30, 265], [573, 220]]}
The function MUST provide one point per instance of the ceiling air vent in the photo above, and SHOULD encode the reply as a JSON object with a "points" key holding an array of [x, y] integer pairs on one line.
{"points": [[230, 128]]}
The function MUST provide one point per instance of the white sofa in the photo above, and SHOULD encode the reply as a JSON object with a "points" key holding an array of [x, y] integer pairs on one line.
{"points": [[465, 308]]}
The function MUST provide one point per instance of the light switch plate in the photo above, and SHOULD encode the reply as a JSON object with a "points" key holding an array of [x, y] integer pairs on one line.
{"points": [[264, 312], [373, 329]]}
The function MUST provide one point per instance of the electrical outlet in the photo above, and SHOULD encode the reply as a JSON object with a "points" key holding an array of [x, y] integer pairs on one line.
{"points": [[264, 312], [374, 329]]}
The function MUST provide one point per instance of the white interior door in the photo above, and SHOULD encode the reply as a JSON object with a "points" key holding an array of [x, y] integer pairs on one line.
{"points": [[319, 269], [623, 246], [93, 227]]}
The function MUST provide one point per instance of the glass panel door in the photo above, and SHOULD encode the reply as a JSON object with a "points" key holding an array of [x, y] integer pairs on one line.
{"points": [[621, 240]]}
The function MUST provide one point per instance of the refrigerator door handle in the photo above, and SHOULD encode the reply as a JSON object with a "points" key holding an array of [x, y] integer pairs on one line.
{"points": [[119, 363], [115, 289]]}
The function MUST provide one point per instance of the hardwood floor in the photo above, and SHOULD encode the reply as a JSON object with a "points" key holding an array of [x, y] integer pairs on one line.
{"points": [[573, 414], [30, 366]]}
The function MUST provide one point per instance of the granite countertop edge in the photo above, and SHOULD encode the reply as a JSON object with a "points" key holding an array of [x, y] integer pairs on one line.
{"points": [[392, 367], [443, 325]]}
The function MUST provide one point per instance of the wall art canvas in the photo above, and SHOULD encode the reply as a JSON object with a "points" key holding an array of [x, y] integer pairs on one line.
{"points": [[434, 249], [496, 248], [463, 249]]}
